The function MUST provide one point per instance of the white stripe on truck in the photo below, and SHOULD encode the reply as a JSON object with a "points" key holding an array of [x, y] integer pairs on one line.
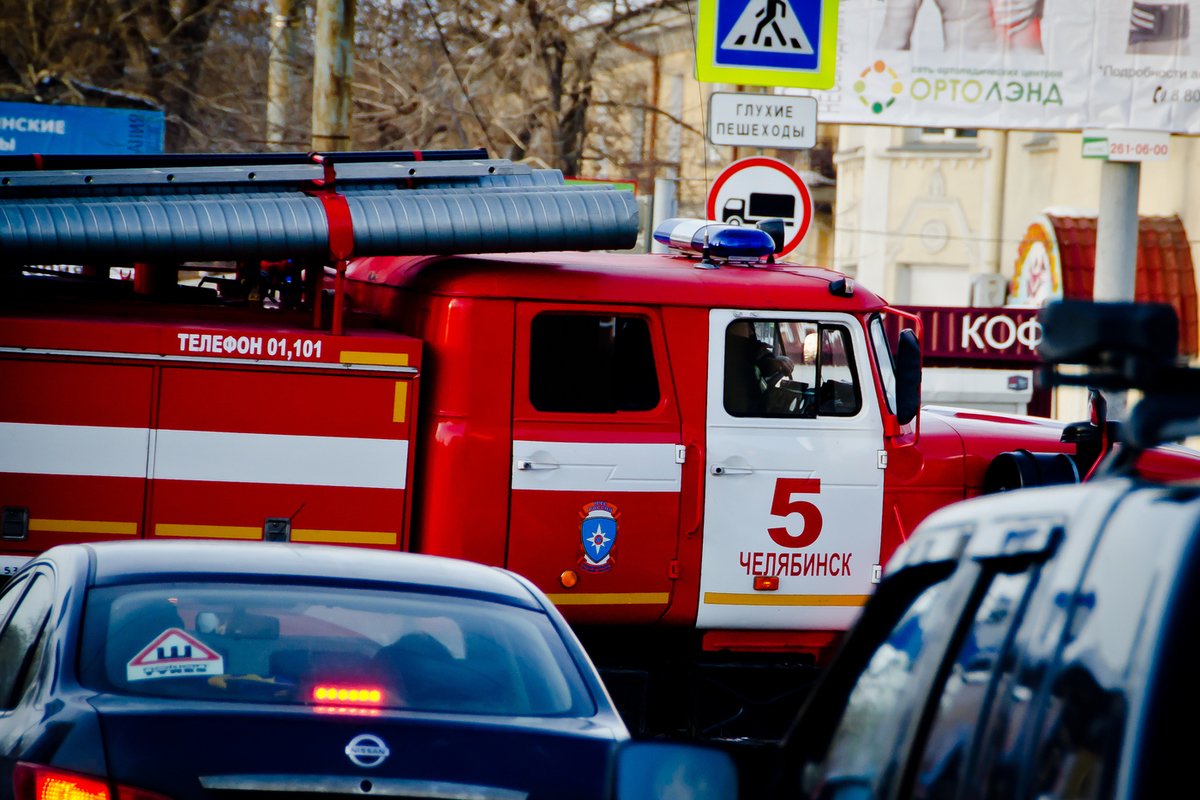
{"points": [[276, 458], [88, 450], [203, 456]]}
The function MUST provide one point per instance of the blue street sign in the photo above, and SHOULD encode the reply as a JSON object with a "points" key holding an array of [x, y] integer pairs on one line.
{"points": [[768, 42], [78, 130]]}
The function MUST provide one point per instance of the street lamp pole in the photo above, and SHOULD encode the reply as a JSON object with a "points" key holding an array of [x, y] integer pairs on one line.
{"points": [[1116, 245]]}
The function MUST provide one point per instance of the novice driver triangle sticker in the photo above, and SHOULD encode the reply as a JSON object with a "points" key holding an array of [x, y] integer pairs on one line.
{"points": [[768, 26], [174, 654]]}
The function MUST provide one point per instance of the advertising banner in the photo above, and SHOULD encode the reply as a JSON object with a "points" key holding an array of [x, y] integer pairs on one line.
{"points": [[1012, 64], [77, 130]]}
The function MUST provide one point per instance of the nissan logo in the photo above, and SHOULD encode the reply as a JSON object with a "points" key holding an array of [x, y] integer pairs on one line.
{"points": [[366, 750]]}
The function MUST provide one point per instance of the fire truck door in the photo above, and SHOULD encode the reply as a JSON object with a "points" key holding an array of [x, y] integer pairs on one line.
{"points": [[596, 461], [235, 447], [73, 447], [793, 490]]}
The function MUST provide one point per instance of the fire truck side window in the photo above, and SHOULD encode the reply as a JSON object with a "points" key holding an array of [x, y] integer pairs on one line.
{"points": [[788, 368], [594, 364]]}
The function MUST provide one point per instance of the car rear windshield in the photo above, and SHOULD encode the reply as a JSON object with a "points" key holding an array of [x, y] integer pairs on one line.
{"points": [[337, 649]]}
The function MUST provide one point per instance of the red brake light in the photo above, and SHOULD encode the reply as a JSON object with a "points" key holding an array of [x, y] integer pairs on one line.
{"points": [[346, 694], [37, 782]]}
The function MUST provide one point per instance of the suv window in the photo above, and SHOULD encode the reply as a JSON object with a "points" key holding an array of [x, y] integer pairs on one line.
{"points": [[865, 735], [19, 636], [790, 368], [591, 363], [969, 688]]}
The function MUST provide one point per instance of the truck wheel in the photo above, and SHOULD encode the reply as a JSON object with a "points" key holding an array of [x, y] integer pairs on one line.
{"points": [[734, 221]]}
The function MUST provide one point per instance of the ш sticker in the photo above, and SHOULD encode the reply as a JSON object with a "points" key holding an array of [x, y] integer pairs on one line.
{"points": [[174, 654]]}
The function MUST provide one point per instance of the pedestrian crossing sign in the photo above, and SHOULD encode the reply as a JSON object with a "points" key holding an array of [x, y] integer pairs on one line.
{"points": [[767, 42]]}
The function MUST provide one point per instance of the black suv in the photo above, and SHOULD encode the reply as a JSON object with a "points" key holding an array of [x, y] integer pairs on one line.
{"points": [[1038, 644], [1031, 645]]}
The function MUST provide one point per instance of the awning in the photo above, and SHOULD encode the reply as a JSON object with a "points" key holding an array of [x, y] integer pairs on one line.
{"points": [[1057, 258]]}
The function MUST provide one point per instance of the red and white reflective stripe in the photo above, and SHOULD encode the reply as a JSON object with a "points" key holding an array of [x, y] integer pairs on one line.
{"points": [[595, 466], [283, 459], [89, 450], [203, 456]]}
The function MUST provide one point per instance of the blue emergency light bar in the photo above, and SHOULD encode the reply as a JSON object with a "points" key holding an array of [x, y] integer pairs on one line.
{"points": [[726, 243]]}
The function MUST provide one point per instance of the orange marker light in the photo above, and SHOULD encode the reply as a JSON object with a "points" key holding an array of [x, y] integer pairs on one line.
{"points": [[568, 579], [347, 695], [765, 583]]}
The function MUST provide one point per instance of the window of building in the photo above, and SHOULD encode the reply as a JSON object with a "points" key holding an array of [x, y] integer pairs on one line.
{"points": [[941, 135], [789, 368], [591, 363]]}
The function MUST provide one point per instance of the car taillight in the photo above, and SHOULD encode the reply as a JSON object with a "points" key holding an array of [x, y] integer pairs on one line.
{"points": [[346, 694], [39, 782]]}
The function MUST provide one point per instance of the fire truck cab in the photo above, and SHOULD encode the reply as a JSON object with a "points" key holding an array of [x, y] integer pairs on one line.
{"points": [[658, 443]]}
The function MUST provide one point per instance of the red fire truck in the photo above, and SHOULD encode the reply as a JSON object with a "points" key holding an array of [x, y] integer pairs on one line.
{"points": [[702, 460]]}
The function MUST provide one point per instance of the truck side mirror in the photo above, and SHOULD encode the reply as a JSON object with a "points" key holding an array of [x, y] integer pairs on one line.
{"points": [[908, 377], [662, 770]]}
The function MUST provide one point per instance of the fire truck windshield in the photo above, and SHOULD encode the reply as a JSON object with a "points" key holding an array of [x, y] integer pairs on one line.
{"points": [[335, 647]]}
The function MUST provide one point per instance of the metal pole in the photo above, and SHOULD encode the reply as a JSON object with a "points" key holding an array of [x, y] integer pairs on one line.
{"points": [[332, 74], [665, 207], [281, 69], [1116, 245]]}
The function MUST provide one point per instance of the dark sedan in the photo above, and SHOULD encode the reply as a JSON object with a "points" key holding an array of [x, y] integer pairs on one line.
{"points": [[250, 671]]}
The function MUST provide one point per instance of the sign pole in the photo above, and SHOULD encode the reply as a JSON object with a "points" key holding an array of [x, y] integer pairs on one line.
{"points": [[665, 206], [1116, 245]]}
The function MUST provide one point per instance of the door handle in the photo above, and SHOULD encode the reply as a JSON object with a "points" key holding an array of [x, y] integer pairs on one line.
{"points": [[526, 466], [721, 469]]}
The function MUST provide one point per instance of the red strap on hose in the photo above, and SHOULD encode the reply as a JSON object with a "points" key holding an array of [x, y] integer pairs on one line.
{"points": [[337, 212], [37, 162], [417, 156], [341, 226]]}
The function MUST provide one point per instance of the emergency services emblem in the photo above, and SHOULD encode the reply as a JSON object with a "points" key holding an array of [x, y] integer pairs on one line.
{"points": [[598, 525]]}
